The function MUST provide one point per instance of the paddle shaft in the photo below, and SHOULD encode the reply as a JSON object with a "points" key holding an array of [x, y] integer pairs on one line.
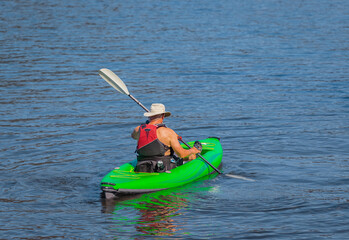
{"points": [[138, 102]]}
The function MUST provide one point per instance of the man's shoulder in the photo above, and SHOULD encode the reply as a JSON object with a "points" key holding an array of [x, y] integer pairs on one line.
{"points": [[166, 131]]}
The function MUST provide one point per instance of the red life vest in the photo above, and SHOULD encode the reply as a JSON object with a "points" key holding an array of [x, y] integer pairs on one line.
{"points": [[148, 143]]}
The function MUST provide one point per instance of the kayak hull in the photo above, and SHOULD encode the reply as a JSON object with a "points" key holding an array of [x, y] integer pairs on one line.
{"points": [[124, 181]]}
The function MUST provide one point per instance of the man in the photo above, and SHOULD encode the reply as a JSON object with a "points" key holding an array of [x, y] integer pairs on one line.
{"points": [[157, 143]]}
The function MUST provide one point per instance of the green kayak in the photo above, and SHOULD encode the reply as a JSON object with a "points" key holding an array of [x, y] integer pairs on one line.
{"points": [[124, 180]]}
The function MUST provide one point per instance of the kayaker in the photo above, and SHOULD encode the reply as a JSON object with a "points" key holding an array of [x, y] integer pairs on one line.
{"points": [[157, 144]]}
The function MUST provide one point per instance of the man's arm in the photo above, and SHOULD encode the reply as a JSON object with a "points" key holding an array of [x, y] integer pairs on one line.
{"points": [[176, 146], [135, 133]]}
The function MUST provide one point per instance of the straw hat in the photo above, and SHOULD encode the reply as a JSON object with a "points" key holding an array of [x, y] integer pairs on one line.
{"points": [[156, 109]]}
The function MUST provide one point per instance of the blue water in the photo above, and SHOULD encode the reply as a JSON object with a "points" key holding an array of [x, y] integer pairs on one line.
{"points": [[270, 78]]}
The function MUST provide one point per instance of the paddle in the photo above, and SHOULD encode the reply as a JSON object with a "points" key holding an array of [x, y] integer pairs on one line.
{"points": [[120, 86]]}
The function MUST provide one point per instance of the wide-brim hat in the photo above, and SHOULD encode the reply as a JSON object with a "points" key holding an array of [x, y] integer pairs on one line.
{"points": [[157, 109]]}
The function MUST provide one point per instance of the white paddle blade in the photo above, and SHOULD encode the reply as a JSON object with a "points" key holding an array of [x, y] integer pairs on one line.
{"points": [[113, 80]]}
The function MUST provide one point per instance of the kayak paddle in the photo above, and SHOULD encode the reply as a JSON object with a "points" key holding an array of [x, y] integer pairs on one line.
{"points": [[120, 86]]}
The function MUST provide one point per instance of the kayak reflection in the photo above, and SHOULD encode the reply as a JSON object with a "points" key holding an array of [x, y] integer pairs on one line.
{"points": [[157, 216], [156, 212]]}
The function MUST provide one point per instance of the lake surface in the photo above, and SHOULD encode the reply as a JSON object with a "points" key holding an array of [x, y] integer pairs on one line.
{"points": [[270, 78]]}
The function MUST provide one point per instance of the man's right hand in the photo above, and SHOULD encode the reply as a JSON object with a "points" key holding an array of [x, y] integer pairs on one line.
{"points": [[194, 151]]}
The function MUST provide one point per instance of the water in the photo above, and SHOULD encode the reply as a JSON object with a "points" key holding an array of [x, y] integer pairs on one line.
{"points": [[270, 78]]}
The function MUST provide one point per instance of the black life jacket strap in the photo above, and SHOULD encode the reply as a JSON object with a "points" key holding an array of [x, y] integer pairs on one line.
{"points": [[153, 158]]}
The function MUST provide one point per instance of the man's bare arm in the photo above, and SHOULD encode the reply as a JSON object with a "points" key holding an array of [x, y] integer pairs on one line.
{"points": [[176, 146], [135, 133]]}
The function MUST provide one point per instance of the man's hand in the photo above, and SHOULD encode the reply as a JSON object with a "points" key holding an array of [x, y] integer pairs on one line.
{"points": [[194, 151]]}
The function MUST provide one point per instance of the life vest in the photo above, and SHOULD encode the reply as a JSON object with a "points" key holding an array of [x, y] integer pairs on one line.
{"points": [[148, 143], [151, 151]]}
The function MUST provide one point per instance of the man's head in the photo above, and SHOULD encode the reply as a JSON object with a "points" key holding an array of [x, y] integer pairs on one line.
{"points": [[157, 110]]}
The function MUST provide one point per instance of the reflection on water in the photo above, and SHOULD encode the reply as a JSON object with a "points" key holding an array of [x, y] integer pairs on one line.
{"points": [[155, 214]]}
